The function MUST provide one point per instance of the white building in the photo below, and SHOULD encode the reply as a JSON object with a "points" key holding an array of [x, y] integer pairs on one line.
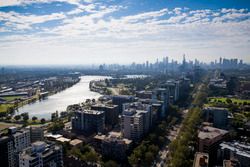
{"points": [[136, 120], [21, 138], [41, 154]]}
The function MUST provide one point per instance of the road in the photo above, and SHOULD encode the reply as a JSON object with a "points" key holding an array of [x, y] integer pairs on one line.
{"points": [[172, 134]]}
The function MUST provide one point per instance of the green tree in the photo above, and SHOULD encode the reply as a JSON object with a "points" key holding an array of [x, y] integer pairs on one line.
{"points": [[34, 118], [110, 163], [43, 121], [17, 117], [149, 158]]}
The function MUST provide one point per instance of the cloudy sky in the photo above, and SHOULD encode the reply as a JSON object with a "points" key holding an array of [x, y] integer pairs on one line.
{"points": [[122, 31]]}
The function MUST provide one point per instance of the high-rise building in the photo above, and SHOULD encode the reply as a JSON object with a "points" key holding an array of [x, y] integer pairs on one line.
{"points": [[216, 115], [41, 154], [36, 133], [121, 99], [7, 151], [235, 150], [161, 94], [209, 140], [111, 112], [136, 120], [11, 144], [88, 121], [21, 138]]}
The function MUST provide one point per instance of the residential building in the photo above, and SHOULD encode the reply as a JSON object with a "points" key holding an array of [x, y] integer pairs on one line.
{"points": [[216, 115], [235, 150], [121, 99], [136, 120], [114, 145], [88, 121], [144, 94], [41, 154], [162, 94], [21, 138], [36, 133], [7, 151], [111, 112], [173, 87], [209, 139]]}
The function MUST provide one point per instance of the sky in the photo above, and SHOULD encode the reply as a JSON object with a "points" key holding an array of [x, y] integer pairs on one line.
{"points": [[37, 32]]}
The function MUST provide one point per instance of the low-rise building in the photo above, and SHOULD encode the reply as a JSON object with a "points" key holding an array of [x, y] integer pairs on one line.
{"points": [[75, 143], [113, 145]]}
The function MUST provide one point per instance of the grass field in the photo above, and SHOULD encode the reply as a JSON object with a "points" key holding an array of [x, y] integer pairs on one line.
{"points": [[4, 107], [10, 98], [224, 100], [7, 125]]}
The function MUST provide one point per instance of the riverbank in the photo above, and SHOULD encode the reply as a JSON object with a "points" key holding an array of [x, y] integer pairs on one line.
{"points": [[76, 94]]}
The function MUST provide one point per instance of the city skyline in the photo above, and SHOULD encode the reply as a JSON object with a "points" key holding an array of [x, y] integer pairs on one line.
{"points": [[95, 32]]}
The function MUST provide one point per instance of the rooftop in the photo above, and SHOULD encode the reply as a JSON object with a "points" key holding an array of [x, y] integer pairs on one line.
{"points": [[208, 132], [92, 112], [75, 142], [242, 149]]}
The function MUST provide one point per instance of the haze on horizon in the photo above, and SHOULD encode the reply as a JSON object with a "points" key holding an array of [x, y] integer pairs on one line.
{"points": [[122, 31]]}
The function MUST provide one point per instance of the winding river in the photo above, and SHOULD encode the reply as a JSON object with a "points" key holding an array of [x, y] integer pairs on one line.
{"points": [[59, 102]]}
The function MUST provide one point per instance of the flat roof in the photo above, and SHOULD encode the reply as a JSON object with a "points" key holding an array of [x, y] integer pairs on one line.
{"points": [[209, 132], [94, 112], [75, 142], [63, 139]]}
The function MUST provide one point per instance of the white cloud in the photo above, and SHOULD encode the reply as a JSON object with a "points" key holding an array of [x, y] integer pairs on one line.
{"points": [[154, 32]]}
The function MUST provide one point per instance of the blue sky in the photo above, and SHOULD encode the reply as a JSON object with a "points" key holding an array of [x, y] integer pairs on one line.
{"points": [[122, 31]]}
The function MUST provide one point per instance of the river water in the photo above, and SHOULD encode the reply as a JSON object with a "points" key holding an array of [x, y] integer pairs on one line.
{"points": [[59, 102]]}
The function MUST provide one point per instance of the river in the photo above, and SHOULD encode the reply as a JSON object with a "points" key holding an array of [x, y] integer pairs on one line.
{"points": [[58, 102]]}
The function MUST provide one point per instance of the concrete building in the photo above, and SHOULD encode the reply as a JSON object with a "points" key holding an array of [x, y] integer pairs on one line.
{"points": [[144, 94], [173, 87], [121, 99], [7, 151], [88, 121], [111, 112], [113, 145], [11, 144], [216, 115], [41, 154], [201, 160], [157, 108], [235, 150], [36, 133], [209, 140], [136, 120], [162, 94], [21, 138]]}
